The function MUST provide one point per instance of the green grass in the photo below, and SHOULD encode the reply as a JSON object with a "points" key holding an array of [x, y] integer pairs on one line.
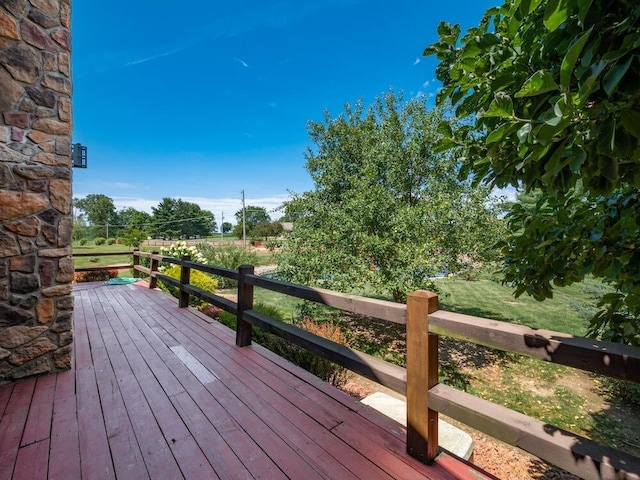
{"points": [[568, 311], [81, 262]]}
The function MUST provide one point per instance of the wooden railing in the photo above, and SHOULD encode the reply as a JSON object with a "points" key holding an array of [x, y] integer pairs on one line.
{"points": [[119, 266], [425, 322]]}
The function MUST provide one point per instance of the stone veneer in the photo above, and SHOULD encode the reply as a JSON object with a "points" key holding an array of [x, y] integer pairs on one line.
{"points": [[36, 266]]}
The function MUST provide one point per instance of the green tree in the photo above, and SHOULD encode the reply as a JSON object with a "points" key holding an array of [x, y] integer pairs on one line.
{"points": [[387, 212], [99, 211], [131, 219], [267, 229], [550, 94], [165, 219], [175, 218], [253, 216], [226, 227]]}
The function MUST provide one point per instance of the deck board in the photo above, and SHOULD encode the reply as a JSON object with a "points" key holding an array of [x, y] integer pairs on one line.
{"points": [[161, 392]]}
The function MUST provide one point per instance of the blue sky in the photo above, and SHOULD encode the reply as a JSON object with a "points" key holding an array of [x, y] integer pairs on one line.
{"points": [[202, 99]]}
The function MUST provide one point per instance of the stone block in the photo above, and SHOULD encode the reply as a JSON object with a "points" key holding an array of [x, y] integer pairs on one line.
{"points": [[37, 186], [50, 7], [65, 15], [57, 84], [64, 303], [11, 92], [4, 353], [63, 323], [64, 65], [51, 126], [57, 290], [15, 7], [6, 178], [20, 204], [55, 252], [62, 357], [4, 134], [62, 38], [29, 226], [8, 154], [34, 35], [44, 98], [63, 146], [65, 338], [36, 367], [25, 264], [34, 172], [4, 268], [46, 112], [22, 61], [10, 316], [42, 19], [17, 119], [64, 109], [4, 290], [26, 302], [26, 353], [40, 137], [27, 105], [50, 61], [27, 245], [8, 27], [60, 195], [49, 216], [47, 270], [50, 234], [17, 134], [21, 283], [45, 310], [8, 245], [13, 337], [65, 231]]}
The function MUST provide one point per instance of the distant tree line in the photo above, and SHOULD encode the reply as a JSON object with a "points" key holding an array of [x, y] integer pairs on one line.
{"points": [[96, 216]]}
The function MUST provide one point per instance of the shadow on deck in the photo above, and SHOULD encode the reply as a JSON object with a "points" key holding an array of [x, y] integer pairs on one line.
{"points": [[159, 392]]}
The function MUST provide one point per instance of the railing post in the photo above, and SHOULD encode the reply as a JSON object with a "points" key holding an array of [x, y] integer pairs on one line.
{"points": [[422, 374], [153, 281], [185, 278], [136, 260], [245, 302]]}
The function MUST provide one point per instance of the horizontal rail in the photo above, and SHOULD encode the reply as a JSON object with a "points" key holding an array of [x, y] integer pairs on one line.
{"points": [[370, 307], [384, 373], [101, 254], [140, 268], [612, 359], [216, 300], [574, 453], [220, 271], [119, 266]]}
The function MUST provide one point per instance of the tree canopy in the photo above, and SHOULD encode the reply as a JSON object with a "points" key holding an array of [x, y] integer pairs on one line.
{"points": [[550, 96], [175, 218], [386, 212]]}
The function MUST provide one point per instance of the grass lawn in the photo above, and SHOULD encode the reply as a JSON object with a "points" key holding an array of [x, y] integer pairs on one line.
{"points": [[81, 262], [568, 311]]}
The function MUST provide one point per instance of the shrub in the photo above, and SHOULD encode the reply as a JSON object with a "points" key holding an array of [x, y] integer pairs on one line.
{"points": [[101, 275], [336, 375], [94, 259], [198, 279], [111, 241], [227, 256], [178, 250], [82, 241], [99, 241]]}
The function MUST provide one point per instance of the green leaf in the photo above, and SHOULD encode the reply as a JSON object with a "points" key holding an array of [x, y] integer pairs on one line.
{"points": [[523, 132], [570, 59], [614, 75], [630, 120], [583, 9], [540, 82], [555, 14], [501, 106], [528, 6]]}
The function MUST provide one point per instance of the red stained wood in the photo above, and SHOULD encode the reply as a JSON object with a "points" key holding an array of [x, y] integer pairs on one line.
{"points": [[158, 392], [38, 425], [33, 461], [12, 425]]}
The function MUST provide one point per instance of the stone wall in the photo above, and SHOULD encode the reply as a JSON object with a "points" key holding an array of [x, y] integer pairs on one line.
{"points": [[36, 267]]}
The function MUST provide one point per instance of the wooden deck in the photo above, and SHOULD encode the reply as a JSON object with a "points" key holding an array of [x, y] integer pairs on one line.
{"points": [[159, 392]]}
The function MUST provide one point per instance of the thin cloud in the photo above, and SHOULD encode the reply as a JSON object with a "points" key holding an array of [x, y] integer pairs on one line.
{"points": [[416, 61], [426, 83], [241, 62]]}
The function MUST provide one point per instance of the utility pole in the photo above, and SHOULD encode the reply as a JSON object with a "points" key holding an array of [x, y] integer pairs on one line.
{"points": [[244, 227]]}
